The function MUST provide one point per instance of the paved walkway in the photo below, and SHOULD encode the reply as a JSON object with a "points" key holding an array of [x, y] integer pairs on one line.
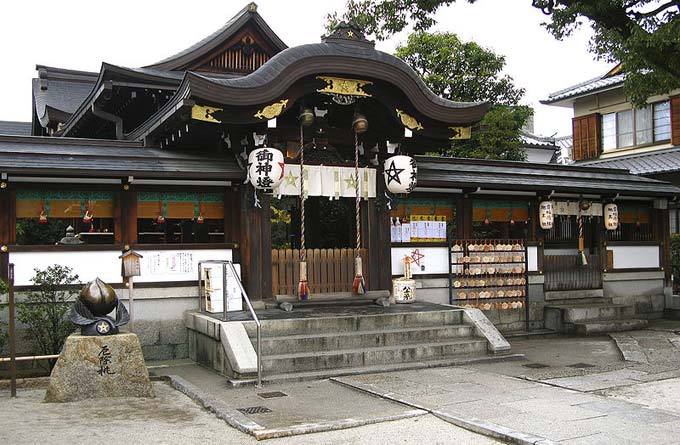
{"points": [[553, 412]]}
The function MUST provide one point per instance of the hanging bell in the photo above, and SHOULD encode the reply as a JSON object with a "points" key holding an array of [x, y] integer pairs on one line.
{"points": [[360, 123], [306, 117]]}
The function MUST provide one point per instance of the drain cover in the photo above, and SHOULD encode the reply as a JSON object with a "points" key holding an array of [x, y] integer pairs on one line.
{"points": [[272, 395], [536, 365], [581, 365], [255, 410]]}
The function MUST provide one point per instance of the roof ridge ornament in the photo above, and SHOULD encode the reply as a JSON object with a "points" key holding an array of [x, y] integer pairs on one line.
{"points": [[347, 32]]}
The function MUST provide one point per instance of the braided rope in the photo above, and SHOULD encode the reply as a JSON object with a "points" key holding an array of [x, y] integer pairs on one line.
{"points": [[356, 191], [303, 251]]}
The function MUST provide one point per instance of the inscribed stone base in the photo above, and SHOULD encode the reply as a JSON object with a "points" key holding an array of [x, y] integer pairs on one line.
{"points": [[96, 367]]}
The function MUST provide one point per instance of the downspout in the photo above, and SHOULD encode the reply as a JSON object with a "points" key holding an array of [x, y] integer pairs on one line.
{"points": [[118, 121]]}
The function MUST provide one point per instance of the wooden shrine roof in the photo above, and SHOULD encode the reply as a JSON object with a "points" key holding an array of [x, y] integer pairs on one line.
{"points": [[540, 178], [79, 157]]}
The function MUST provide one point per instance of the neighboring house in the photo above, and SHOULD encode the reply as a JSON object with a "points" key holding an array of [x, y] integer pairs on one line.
{"points": [[609, 132], [540, 149]]}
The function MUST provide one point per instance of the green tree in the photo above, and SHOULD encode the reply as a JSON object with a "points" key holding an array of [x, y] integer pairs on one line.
{"points": [[643, 35], [465, 71], [45, 308]]}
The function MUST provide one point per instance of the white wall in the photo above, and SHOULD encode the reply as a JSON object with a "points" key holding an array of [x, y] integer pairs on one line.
{"points": [[633, 257], [156, 265], [434, 261]]}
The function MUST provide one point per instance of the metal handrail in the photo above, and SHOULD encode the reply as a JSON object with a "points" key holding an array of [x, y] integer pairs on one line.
{"points": [[244, 295]]}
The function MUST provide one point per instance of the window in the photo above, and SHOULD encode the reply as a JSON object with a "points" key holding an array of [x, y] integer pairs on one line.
{"points": [[422, 220], [609, 131], [42, 217], [662, 121], [635, 223], [182, 217], [641, 126]]}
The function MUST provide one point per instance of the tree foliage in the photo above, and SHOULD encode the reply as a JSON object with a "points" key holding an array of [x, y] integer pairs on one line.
{"points": [[467, 72], [643, 35], [44, 311]]}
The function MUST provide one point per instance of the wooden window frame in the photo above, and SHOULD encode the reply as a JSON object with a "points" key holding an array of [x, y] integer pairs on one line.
{"points": [[655, 141]]}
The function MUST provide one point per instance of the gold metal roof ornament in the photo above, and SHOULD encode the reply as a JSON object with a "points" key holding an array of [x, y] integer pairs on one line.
{"points": [[344, 87], [203, 113], [408, 121], [273, 110], [460, 133]]}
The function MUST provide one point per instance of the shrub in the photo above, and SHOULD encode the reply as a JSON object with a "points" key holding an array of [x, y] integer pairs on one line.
{"points": [[45, 308]]}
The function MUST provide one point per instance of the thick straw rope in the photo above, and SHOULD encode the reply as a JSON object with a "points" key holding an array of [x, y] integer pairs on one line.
{"points": [[356, 191], [303, 251]]}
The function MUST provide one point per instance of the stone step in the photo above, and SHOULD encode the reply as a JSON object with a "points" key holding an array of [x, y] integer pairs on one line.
{"points": [[423, 364], [358, 322], [325, 341], [577, 313], [604, 326], [352, 358]]}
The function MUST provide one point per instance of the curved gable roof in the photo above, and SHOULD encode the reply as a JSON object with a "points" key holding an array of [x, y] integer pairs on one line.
{"points": [[203, 47]]}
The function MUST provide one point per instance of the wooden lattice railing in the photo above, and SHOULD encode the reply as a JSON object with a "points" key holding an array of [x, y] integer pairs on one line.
{"points": [[328, 270], [562, 272]]}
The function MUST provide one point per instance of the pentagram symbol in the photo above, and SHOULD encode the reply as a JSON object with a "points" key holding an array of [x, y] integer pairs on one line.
{"points": [[417, 256], [351, 183], [393, 174], [102, 327], [290, 178]]}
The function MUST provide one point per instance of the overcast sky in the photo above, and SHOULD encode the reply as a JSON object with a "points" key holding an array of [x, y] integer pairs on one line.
{"points": [[80, 34]]}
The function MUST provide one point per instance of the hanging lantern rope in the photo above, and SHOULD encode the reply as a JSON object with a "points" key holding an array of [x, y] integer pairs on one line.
{"points": [[303, 288], [359, 285]]}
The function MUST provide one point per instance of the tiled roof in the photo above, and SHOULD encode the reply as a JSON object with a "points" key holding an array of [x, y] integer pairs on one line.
{"points": [[540, 178], [534, 141], [22, 155], [15, 128], [662, 161], [596, 84]]}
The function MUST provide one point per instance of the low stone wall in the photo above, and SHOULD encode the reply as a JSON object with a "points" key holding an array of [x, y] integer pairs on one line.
{"points": [[644, 290], [159, 321]]}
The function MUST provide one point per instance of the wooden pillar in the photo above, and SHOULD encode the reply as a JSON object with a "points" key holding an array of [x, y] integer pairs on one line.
{"points": [[663, 234], [7, 227], [464, 217], [128, 216], [255, 245]]}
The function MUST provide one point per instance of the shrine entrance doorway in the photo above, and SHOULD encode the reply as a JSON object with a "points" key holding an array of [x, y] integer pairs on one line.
{"points": [[330, 240]]}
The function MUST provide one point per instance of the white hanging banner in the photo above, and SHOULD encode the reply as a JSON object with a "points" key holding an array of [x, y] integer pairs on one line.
{"points": [[329, 181], [571, 208]]}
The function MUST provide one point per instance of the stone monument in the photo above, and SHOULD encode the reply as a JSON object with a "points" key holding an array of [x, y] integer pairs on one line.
{"points": [[100, 361]]}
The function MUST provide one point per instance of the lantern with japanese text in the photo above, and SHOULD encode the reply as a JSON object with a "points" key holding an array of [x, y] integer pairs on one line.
{"points": [[265, 168], [546, 215], [400, 174], [611, 217]]}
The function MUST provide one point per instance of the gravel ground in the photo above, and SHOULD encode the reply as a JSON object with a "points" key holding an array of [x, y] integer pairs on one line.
{"points": [[172, 418]]}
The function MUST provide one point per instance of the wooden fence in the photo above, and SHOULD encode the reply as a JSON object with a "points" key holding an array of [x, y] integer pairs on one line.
{"points": [[562, 272], [328, 270]]}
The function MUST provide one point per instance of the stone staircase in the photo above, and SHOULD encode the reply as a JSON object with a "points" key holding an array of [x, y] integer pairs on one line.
{"points": [[598, 316], [301, 348]]}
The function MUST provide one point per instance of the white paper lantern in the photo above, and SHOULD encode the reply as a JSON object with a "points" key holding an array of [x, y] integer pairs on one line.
{"points": [[400, 174], [265, 168], [546, 215], [611, 217]]}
